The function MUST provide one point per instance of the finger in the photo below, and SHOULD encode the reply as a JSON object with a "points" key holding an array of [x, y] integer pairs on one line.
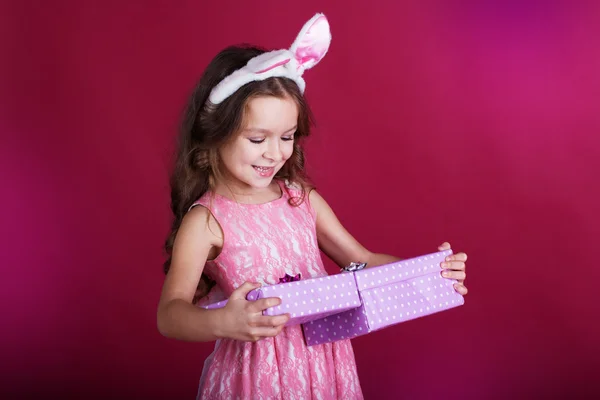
{"points": [[263, 304], [453, 265], [454, 274], [457, 257], [242, 291], [444, 246], [268, 321], [263, 332], [461, 289]]}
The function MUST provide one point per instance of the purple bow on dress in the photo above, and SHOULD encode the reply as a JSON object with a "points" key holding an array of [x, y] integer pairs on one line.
{"points": [[289, 278]]}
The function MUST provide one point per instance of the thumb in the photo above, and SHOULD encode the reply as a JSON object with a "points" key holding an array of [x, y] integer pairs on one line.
{"points": [[444, 246], [242, 291]]}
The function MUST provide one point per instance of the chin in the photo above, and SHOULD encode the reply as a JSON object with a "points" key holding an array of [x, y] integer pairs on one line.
{"points": [[262, 184]]}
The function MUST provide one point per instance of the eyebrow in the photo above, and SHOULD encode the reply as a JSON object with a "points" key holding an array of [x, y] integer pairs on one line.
{"points": [[266, 131]]}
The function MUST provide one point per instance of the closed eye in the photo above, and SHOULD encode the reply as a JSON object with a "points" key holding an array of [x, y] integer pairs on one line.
{"points": [[284, 138]]}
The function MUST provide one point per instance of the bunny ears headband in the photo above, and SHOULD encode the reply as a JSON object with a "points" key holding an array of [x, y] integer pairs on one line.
{"points": [[308, 49]]}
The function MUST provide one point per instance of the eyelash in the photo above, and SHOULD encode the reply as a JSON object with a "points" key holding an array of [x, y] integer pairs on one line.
{"points": [[259, 141]]}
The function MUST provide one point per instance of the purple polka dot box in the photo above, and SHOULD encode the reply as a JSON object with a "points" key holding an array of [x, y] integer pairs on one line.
{"points": [[389, 294], [306, 300]]}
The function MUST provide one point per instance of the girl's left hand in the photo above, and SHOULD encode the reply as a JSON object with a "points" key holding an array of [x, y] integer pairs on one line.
{"points": [[455, 268]]}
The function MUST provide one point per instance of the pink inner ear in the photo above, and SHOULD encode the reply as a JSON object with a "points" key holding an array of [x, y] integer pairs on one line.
{"points": [[306, 54], [314, 43], [273, 66]]}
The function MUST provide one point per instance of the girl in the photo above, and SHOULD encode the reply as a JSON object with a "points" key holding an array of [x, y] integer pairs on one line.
{"points": [[244, 215]]}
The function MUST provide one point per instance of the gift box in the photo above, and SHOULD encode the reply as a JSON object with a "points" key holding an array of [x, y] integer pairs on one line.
{"points": [[306, 300], [389, 294]]}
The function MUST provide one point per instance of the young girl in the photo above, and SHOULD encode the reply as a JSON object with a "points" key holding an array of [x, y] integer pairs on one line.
{"points": [[245, 215]]}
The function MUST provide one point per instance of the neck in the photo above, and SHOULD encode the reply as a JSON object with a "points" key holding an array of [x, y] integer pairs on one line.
{"points": [[245, 194]]}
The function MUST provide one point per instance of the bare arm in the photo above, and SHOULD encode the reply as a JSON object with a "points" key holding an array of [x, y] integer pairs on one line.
{"points": [[341, 247], [335, 241], [178, 318]]}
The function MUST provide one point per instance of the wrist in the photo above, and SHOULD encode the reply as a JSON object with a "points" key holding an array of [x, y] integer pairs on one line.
{"points": [[218, 322]]}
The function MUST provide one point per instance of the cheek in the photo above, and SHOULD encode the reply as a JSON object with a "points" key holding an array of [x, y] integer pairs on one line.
{"points": [[252, 153], [288, 150], [246, 153]]}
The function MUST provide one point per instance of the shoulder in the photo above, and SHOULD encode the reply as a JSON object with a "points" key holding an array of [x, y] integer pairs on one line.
{"points": [[196, 214], [317, 201], [200, 223]]}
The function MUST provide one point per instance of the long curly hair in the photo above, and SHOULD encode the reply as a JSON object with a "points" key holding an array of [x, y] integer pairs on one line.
{"points": [[206, 127]]}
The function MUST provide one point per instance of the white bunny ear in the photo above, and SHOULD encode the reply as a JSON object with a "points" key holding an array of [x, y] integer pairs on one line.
{"points": [[312, 42], [308, 49]]}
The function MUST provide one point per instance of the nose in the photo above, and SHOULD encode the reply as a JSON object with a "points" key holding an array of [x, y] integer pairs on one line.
{"points": [[273, 150]]}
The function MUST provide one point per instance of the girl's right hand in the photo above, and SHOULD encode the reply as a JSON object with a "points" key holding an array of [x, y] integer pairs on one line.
{"points": [[243, 320]]}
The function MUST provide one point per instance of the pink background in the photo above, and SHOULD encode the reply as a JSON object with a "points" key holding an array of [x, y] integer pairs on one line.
{"points": [[475, 122]]}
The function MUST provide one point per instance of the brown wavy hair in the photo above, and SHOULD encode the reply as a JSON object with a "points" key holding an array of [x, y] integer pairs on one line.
{"points": [[206, 127]]}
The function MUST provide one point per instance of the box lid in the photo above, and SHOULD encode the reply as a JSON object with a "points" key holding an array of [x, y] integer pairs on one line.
{"points": [[400, 270]]}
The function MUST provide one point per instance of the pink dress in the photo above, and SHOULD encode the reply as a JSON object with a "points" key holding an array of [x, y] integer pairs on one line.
{"points": [[263, 242]]}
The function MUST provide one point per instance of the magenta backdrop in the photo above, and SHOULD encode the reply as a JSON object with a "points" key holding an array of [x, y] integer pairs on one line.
{"points": [[475, 122]]}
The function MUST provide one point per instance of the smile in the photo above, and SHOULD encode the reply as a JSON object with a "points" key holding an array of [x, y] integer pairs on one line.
{"points": [[264, 171]]}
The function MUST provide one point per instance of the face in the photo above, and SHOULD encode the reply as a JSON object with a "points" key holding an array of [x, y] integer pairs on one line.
{"points": [[264, 144]]}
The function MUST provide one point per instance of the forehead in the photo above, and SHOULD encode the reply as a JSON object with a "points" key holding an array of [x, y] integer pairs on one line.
{"points": [[272, 113]]}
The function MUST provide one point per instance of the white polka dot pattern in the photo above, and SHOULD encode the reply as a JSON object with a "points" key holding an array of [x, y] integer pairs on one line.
{"points": [[390, 294], [309, 299]]}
